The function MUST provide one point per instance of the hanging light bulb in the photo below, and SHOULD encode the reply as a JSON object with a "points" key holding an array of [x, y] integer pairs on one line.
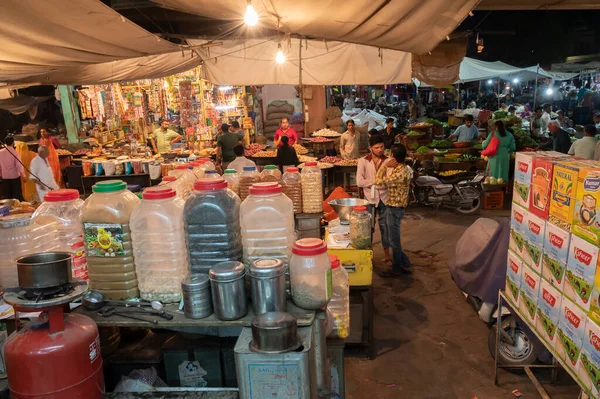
{"points": [[515, 80], [280, 57], [251, 17]]}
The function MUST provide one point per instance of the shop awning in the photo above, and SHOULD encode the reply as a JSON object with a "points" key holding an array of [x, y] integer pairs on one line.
{"points": [[407, 25], [41, 37], [252, 62], [538, 5]]}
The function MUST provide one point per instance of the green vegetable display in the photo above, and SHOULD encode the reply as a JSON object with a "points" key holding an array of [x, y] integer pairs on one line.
{"points": [[447, 160], [570, 347], [478, 146], [423, 150], [433, 121], [441, 144], [581, 287], [500, 114], [469, 157], [549, 325], [414, 133]]}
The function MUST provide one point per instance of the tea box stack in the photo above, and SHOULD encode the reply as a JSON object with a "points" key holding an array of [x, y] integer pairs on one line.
{"points": [[553, 273]]}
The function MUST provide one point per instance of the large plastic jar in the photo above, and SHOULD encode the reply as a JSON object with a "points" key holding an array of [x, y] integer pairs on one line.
{"points": [[339, 306], [292, 187], [158, 241], [233, 180], [267, 221], [270, 174], [248, 177], [212, 225], [197, 170], [105, 217], [312, 188], [64, 207], [310, 274], [20, 236], [185, 177], [360, 228], [207, 164]]}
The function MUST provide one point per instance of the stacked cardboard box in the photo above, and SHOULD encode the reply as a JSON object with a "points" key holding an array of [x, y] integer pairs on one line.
{"points": [[553, 273]]}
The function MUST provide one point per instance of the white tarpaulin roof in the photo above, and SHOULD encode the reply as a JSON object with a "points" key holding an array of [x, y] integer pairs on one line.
{"points": [[252, 62], [38, 37], [408, 25], [539, 5]]}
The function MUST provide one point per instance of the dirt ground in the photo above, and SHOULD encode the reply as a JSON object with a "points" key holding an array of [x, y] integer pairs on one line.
{"points": [[430, 341]]}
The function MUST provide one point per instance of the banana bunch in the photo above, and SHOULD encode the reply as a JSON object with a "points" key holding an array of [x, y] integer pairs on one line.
{"points": [[451, 172]]}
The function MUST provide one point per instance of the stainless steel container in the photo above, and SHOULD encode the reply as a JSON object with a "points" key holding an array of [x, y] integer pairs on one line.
{"points": [[197, 303], [44, 270], [274, 332], [267, 284], [228, 285]]}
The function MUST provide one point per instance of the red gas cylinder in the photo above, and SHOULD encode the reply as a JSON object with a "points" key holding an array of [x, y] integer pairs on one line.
{"points": [[55, 357]]}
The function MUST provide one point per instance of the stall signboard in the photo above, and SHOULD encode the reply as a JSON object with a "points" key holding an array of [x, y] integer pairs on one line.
{"points": [[586, 221], [564, 188], [588, 367], [548, 311], [571, 329], [530, 288], [246, 123], [513, 277], [522, 183], [581, 271]]}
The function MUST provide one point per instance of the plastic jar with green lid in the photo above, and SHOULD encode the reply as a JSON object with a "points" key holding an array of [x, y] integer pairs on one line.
{"points": [[270, 174], [233, 180], [105, 216]]}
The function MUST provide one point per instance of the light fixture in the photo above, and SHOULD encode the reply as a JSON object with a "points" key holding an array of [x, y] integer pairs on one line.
{"points": [[280, 57], [549, 92], [515, 80], [225, 88], [507, 87], [251, 17], [490, 82]]}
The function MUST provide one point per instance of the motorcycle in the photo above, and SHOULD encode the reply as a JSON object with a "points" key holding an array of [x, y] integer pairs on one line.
{"points": [[462, 192]]}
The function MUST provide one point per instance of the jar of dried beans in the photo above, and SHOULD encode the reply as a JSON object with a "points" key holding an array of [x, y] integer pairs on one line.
{"points": [[292, 187]]}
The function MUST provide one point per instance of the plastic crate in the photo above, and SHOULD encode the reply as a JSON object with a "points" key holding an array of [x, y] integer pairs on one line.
{"points": [[493, 200]]}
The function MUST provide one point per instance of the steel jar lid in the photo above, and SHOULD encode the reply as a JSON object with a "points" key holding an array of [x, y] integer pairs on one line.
{"points": [[195, 282], [266, 268], [227, 271]]}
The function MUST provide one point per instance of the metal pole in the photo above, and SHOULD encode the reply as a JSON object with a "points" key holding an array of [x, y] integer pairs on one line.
{"points": [[537, 71], [300, 82], [498, 94]]}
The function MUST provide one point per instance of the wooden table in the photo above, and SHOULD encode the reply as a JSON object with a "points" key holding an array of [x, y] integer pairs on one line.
{"points": [[319, 147]]}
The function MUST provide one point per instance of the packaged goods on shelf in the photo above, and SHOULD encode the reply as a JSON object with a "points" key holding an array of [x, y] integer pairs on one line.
{"points": [[548, 311], [594, 312], [581, 270], [571, 329], [554, 258], [564, 190], [522, 183], [541, 184], [513, 277], [588, 366], [530, 289], [516, 242], [534, 243], [586, 222], [519, 218]]}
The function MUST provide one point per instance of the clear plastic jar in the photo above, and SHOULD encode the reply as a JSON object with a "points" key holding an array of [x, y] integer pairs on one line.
{"points": [[185, 178], [339, 306], [197, 170], [233, 180], [267, 222], [207, 164], [211, 174], [21, 236], [64, 207], [312, 188], [212, 225], [292, 187], [158, 241], [248, 177], [360, 228], [105, 217], [310, 274], [270, 174]]}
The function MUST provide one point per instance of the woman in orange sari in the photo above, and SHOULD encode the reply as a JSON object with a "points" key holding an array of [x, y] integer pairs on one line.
{"points": [[27, 186], [47, 141]]}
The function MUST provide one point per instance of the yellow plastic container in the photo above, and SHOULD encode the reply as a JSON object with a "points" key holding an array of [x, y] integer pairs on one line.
{"points": [[358, 263]]}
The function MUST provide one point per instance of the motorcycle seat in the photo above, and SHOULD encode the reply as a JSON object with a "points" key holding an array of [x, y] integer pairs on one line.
{"points": [[453, 179]]}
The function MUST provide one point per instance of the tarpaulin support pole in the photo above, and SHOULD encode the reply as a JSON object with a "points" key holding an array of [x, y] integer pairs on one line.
{"points": [[300, 83], [537, 71], [70, 112]]}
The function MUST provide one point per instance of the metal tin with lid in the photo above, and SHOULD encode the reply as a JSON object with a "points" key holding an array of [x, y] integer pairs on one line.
{"points": [[197, 303], [267, 283], [229, 290], [274, 332]]}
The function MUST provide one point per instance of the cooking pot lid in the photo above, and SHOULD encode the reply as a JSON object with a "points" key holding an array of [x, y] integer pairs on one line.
{"points": [[267, 268], [227, 271], [274, 321]]}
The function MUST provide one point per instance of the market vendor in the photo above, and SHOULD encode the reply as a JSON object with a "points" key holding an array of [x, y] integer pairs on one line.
{"points": [[560, 140], [466, 132], [41, 173], [45, 133], [286, 154], [163, 137], [285, 130], [226, 142], [350, 142]]}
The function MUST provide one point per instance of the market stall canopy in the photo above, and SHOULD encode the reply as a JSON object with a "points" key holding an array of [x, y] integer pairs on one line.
{"points": [[407, 25], [42, 37], [539, 5], [241, 62], [21, 104]]}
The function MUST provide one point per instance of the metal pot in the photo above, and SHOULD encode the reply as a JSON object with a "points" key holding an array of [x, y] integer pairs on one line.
{"points": [[274, 332], [44, 270]]}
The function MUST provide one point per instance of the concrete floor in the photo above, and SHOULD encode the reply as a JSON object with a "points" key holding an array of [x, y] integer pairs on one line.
{"points": [[430, 342]]}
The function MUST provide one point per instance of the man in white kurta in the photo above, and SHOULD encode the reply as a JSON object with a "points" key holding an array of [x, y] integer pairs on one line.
{"points": [[41, 173]]}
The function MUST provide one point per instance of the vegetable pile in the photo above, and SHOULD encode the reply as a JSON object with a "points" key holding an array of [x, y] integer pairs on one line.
{"points": [[523, 139], [423, 150], [414, 133], [441, 144], [451, 172]]}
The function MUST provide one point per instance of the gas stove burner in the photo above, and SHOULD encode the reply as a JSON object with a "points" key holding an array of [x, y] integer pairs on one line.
{"points": [[42, 297]]}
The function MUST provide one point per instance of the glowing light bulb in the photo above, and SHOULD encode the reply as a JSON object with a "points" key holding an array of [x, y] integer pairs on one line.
{"points": [[515, 80], [490, 82], [280, 57], [549, 92], [251, 17]]}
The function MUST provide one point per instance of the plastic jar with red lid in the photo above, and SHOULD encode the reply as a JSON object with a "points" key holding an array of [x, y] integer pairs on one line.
{"points": [[310, 274]]}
